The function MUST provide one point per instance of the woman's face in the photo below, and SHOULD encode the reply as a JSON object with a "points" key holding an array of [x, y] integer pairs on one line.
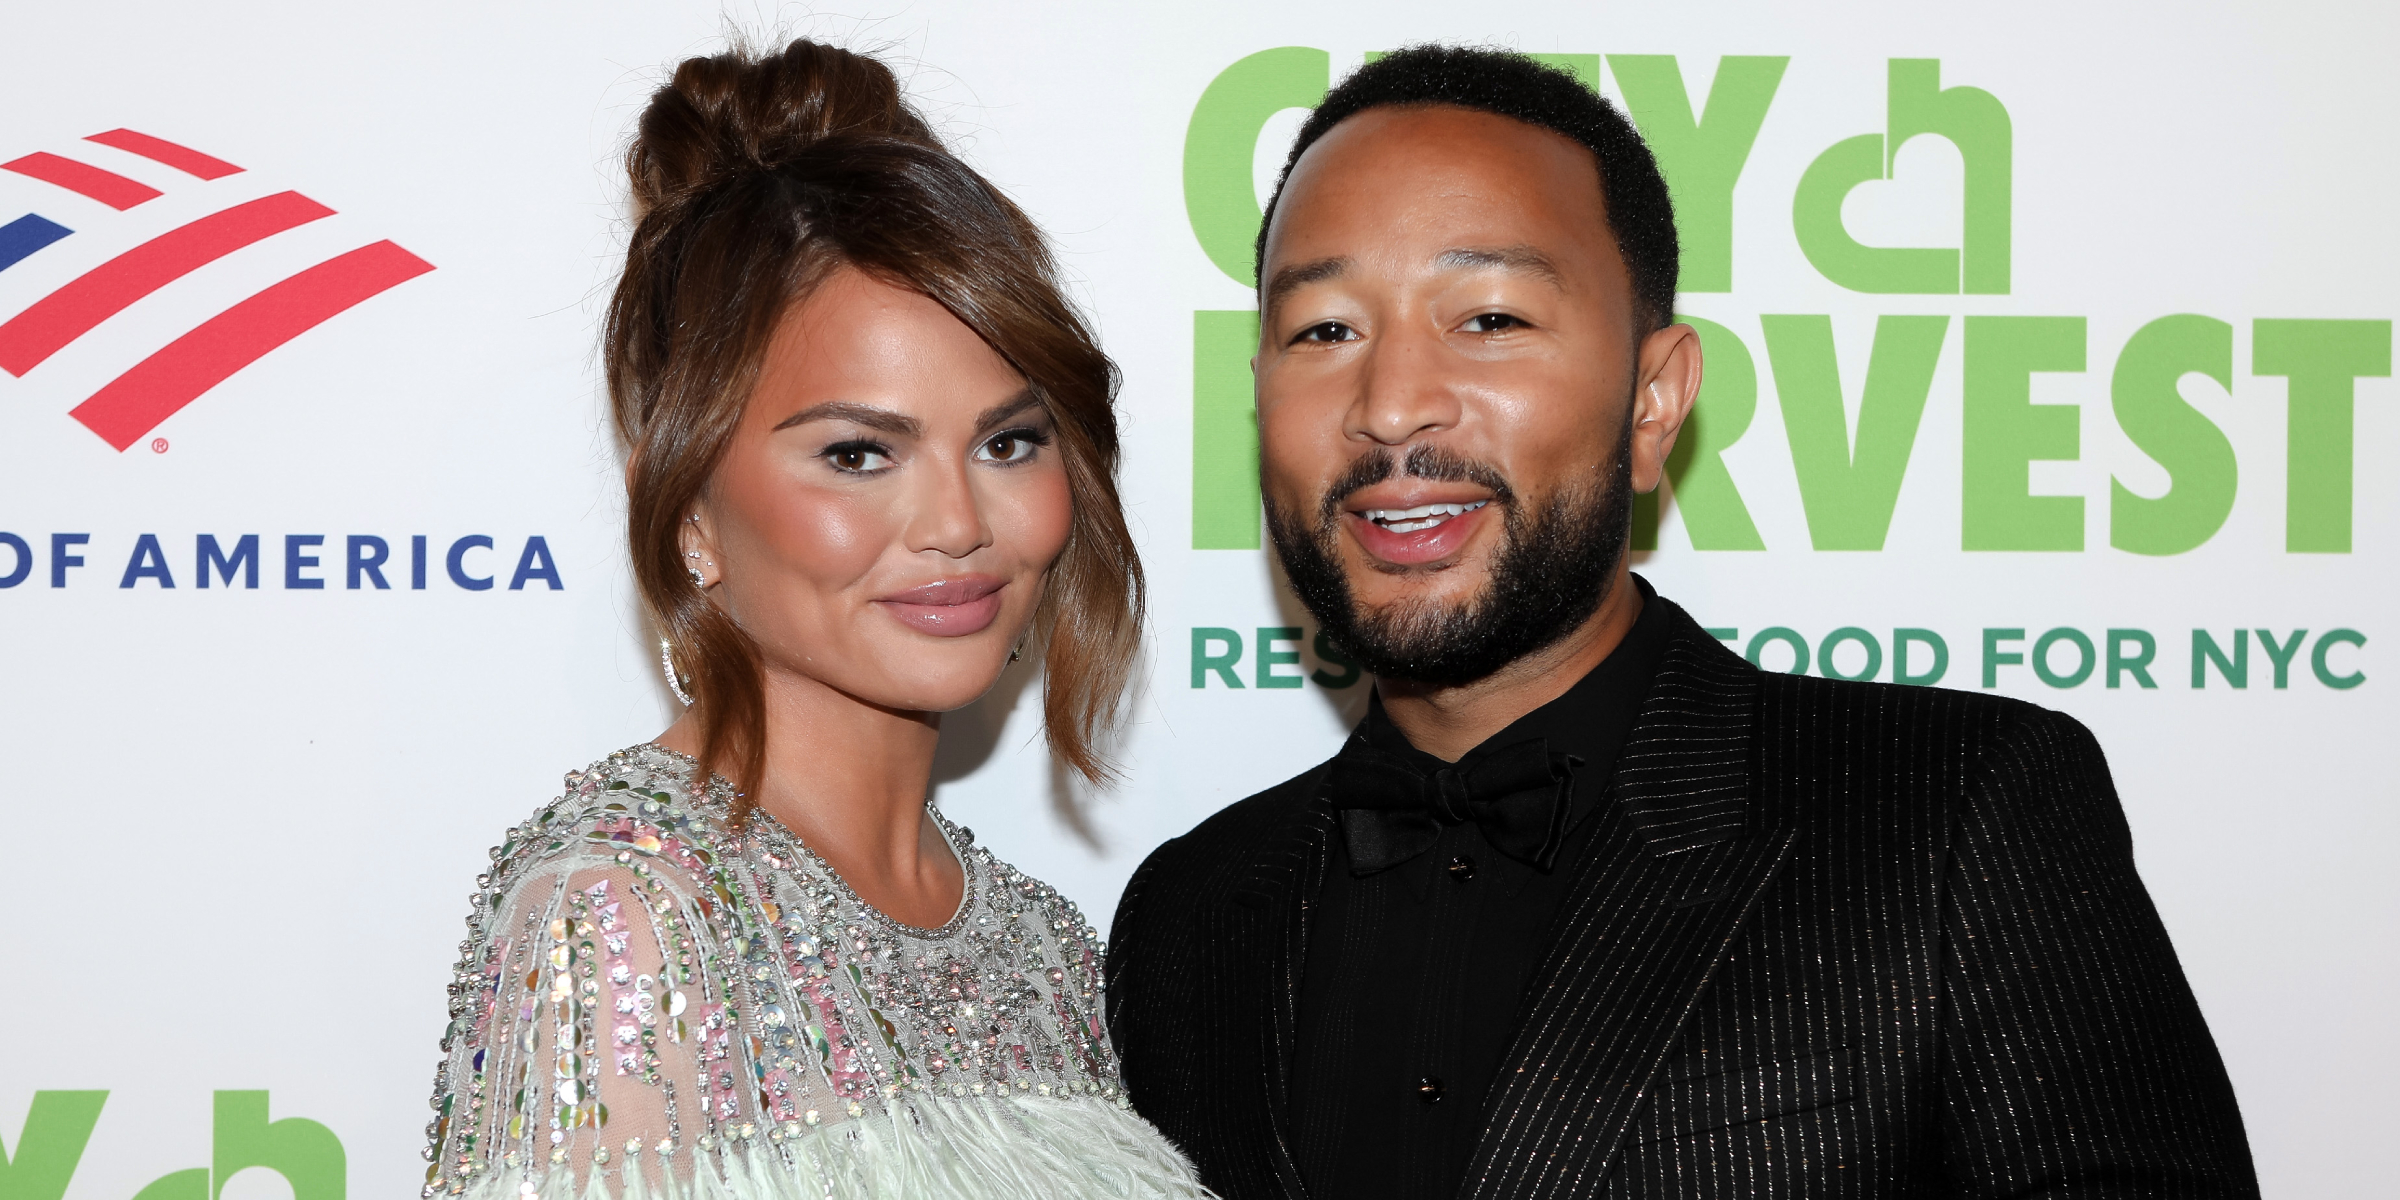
{"points": [[885, 515]]}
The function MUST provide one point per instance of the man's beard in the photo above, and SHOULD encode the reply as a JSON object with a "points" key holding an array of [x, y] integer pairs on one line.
{"points": [[1553, 567]]}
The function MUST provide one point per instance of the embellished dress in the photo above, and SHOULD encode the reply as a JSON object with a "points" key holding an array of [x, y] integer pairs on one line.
{"points": [[650, 1006]]}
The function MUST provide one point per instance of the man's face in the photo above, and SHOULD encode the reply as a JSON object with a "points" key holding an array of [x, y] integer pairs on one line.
{"points": [[1447, 378]]}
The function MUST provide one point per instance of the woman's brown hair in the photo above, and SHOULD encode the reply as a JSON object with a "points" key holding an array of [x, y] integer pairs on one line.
{"points": [[756, 176]]}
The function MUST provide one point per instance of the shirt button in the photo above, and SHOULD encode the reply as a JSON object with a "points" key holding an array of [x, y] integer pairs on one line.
{"points": [[1462, 868], [1429, 1089]]}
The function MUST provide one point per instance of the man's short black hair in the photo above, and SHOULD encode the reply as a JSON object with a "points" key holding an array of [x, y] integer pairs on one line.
{"points": [[1512, 85]]}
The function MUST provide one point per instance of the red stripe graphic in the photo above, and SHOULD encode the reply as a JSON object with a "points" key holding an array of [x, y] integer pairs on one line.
{"points": [[107, 187], [182, 158], [106, 290], [135, 402]]}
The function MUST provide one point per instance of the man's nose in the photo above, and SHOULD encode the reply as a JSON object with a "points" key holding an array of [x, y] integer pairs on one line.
{"points": [[947, 516], [1404, 391]]}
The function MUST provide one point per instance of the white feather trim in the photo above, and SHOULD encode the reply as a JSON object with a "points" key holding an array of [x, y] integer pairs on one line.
{"points": [[925, 1148]]}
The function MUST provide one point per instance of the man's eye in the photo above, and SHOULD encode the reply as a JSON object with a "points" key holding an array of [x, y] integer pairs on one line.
{"points": [[1327, 331], [857, 458], [1491, 322], [1014, 446]]}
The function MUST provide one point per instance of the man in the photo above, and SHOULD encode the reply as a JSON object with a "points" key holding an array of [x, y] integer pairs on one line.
{"points": [[1588, 905]]}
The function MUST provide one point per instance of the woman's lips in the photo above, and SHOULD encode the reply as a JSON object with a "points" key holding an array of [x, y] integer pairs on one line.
{"points": [[948, 607]]}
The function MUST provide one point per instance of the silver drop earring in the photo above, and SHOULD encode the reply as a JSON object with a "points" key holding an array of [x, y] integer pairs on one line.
{"points": [[666, 664]]}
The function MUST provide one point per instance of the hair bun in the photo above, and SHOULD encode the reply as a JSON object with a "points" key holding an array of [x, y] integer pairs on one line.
{"points": [[730, 114]]}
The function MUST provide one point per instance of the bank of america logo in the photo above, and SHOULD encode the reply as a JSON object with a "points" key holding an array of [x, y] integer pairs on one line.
{"points": [[150, 390]]}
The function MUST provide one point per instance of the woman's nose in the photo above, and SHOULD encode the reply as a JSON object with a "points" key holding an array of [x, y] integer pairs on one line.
{"points": [[948, 517]]}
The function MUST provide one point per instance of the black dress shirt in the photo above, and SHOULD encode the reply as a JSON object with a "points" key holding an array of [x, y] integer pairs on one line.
{"points": [[1413, 974]]}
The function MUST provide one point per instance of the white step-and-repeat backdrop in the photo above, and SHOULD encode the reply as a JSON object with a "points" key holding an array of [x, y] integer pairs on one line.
{"points": [[2049, 351]]}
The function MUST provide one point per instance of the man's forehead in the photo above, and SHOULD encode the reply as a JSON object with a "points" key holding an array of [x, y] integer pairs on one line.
{"points": [[1485, 191], [1443, 127], [1444, 148]]}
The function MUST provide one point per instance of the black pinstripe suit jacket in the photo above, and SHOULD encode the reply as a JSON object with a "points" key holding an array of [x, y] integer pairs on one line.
{"points": [[1841, 940]]}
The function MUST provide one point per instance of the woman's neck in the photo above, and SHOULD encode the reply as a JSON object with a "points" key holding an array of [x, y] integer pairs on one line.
{"points": [[851, 779]]}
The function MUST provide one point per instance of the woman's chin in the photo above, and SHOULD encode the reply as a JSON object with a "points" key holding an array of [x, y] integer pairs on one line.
{"points": [[933, 691]]}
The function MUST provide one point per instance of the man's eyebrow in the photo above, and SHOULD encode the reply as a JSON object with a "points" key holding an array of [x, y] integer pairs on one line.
{"points": [[1300, 275], [857, 414], [1519, 257], [1007, 408]]}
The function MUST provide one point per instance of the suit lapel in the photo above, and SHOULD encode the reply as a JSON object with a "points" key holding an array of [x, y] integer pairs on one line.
{"points": [[1282, 885], [1651, 914]]}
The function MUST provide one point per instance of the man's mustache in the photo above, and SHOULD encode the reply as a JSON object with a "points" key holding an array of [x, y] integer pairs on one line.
{"points": [[1427, 462]]}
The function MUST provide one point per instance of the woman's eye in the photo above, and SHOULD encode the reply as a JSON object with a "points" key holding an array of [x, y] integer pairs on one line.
{"points": [[1014, 446], [857, 458], [1491, 322], [1327, 331]]}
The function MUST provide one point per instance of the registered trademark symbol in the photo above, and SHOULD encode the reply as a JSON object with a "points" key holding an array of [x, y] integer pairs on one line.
{"points": [[158, 445]]}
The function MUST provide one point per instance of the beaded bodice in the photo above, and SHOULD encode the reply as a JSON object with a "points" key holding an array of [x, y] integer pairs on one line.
{"points": [[642, 985]]}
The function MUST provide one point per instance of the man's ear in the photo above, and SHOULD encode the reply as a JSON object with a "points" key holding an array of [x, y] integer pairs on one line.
{"points": [[1665, 385]]}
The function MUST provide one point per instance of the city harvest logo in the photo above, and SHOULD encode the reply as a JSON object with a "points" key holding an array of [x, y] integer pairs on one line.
{"points": [[1847, 470], [58, 1128], [154, 387]]}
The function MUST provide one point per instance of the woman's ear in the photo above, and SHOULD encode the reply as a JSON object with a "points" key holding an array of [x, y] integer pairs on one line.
{"points": [[1667, 385], [699, 549]]}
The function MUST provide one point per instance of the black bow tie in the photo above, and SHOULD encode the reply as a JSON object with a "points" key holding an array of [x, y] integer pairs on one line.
{"points": [[1392, 812]]}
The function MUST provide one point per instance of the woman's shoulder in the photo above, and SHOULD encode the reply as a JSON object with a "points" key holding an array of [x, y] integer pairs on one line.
{"points": [[1020, 890], [634, 806]]}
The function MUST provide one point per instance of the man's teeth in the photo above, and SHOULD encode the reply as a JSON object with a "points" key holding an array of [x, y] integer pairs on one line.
{"points": [[1423, 516]]}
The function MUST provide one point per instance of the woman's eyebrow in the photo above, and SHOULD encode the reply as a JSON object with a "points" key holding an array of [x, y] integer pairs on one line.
{"points": [[859, 414], [1007, 408]]}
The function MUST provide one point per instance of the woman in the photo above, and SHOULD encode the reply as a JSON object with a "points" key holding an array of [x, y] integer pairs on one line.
{"points": [[870, 457]]}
